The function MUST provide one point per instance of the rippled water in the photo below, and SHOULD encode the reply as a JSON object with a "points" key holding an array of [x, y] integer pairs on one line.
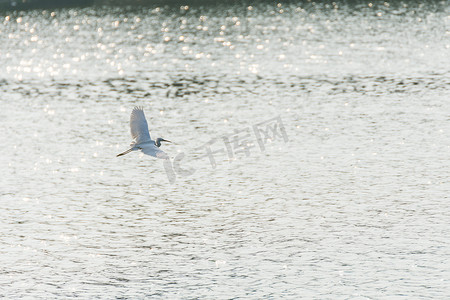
{"points": [[353, 205]]}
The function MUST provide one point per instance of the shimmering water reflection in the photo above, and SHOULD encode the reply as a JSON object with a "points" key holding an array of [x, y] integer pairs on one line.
{"points": [[354, 204]]}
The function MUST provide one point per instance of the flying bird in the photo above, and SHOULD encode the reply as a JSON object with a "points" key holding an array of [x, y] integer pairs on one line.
{"points": [[141, 136]]}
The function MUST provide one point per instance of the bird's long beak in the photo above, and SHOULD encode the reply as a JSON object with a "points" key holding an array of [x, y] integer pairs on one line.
{"points": [[165, 140]]}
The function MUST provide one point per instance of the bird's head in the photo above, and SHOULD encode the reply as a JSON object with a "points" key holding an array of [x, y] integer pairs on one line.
{"points": [[159, 140]]}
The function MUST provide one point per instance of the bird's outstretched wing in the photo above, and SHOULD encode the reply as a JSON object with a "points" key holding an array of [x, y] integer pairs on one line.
{"points": [[154, 151], [138, 126]]}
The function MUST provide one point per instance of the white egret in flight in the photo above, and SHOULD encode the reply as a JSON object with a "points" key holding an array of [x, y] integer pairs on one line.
{"points": [[141, 136]]}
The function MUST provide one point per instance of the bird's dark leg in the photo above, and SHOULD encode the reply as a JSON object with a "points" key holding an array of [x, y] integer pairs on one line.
{"points": [[123, 153]]}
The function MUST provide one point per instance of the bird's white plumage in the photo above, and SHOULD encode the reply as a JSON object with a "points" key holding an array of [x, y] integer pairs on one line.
{"points": [[151, 149], [138, 126], [141, 136]]}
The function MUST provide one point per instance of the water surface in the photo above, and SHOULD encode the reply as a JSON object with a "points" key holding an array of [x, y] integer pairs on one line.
{"points": [[353, 205]]}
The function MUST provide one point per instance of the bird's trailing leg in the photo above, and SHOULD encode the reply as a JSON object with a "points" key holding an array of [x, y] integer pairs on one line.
{"points": [[126, 152]]}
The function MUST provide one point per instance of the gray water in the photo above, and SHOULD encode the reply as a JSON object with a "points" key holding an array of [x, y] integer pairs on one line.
{"points": [[352, 202]]}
